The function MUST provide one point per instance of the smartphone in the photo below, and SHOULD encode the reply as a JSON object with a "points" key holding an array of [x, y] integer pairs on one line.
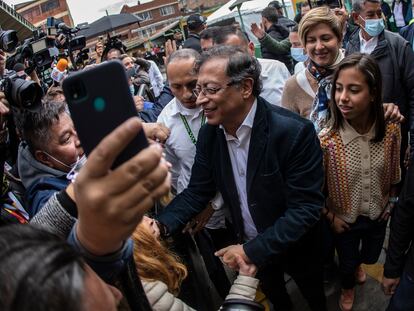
{"points": [[99, 100]]}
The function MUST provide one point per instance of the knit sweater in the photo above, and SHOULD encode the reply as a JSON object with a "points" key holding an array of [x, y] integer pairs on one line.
{"points": [[294, 96], [160, 299]]}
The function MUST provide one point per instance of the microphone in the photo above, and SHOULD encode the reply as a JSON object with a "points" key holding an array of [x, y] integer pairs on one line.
{"points": [[58, 73]]}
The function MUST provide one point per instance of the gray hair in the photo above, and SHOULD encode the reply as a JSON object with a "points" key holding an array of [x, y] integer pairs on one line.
{"points": [[358, 4], [240, 65], [36, 126], [183, 54]]}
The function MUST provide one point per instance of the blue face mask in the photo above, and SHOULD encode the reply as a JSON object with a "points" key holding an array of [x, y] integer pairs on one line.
{"points": [[298, 54], [374, 27]]}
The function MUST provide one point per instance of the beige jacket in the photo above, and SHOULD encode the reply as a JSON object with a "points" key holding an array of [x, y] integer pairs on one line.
{"points": [[160, 299], [295, 97]]}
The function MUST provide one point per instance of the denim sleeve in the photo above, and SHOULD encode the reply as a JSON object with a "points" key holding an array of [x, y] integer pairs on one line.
{"points": [[108, 266]]}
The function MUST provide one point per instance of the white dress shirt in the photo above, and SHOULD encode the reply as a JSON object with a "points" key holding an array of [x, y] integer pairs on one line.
{"points": [[367, 46], [239, 152], [398, 14], [180, 151], [274, 75]]}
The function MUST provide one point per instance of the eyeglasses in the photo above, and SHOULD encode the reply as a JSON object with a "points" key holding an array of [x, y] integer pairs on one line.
{"points": [[208, 91]]}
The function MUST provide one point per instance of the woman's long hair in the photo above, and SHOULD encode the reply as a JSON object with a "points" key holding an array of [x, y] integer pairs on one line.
{"points": [[371, 71], [155, 262]]}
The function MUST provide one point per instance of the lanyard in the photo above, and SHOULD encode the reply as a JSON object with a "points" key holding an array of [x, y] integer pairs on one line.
{"points": [[188, 128]]}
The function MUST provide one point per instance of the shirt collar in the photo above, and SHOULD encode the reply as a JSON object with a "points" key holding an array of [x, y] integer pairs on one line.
{"points": [[348, 133], [178, 108], [372, 41], [247, 123]]}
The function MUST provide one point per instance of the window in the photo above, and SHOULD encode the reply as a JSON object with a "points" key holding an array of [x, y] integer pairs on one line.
{"points": [[50, 5], [147, 32], [145, 16], [167, 10], [31, 13]]}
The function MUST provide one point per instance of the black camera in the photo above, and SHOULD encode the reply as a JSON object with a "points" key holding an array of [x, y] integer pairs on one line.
{"points": [[241, 305], [20, 93], [113, 43], [8, 40]]}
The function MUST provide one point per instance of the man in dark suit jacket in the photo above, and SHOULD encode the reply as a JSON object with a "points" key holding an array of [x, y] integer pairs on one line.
{"points": [[267, 163]]}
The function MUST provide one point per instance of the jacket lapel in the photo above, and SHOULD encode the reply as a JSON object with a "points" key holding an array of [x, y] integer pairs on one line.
{"points": [[258, 141]]}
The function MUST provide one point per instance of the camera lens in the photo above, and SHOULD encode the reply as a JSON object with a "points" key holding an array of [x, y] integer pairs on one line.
{"points": [[8, 40]]}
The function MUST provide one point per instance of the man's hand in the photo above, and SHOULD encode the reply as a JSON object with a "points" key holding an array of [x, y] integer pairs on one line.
{"points": [[257, 31], [339, 226], [169, 48], [392, 113], [229, 253], [245, 268], [4, 105], [112, 202], [139, 103], [198, 222], [2, 62], [386, 212], [156, 131], [389, 285]]}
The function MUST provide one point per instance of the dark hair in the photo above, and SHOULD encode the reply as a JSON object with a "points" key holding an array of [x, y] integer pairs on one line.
{"points": [[366, 65], [209, 32], [226, 31], [295, 28], [36, 126], [240, 65], [38, 271], [270, 13]]}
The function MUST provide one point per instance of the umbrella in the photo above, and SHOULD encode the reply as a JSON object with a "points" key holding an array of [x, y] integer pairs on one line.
{"points": [[109, 23]]}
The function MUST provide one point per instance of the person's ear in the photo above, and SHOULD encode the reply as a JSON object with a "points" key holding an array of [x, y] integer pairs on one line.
{"points": [[43, 158], [251, 49], [247, 88]]}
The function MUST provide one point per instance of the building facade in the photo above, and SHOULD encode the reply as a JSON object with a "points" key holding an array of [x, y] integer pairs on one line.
{"points": [[155, 15], [37, 12], [199, 5]]}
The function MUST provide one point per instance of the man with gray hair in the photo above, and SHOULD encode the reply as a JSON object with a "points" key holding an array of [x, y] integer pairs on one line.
{"points": [[273, 193], [184, 119], [394, 56]]}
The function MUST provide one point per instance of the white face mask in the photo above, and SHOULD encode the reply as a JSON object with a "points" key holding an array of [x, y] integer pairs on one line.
{"points": [[60, 162]]}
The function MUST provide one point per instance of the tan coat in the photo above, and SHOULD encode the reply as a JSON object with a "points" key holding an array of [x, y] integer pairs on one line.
{"points": [[294, 96]]}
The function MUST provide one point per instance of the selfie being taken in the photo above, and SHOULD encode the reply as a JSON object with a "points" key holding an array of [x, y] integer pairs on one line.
{"points": [[229, 155]]}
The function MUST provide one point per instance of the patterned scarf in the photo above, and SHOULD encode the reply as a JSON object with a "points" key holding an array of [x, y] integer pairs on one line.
{"points": [[320, 109]]}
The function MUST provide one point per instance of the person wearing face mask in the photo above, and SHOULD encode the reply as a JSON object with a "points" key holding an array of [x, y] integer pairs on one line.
{"points": [[49, 154], [394, 56], [297, 51]]}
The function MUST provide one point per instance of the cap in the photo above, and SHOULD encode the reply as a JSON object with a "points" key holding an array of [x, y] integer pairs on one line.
{"points": [[195, 21], [275, 4]]}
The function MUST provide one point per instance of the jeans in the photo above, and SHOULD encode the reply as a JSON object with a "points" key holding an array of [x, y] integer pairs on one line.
{"points": [[362, 243], [403, 298]]}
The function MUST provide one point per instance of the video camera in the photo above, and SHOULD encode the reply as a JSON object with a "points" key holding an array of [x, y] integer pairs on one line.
{"points": [[8, 40], [21, 94], [113, 43]]}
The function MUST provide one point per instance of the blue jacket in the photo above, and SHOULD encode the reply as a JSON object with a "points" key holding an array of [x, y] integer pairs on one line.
{"points": [[39, 180], [151, 115], [284, 182]]}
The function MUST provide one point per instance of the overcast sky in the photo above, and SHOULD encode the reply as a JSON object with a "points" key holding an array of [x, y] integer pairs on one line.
{"points": [[90, 10]]}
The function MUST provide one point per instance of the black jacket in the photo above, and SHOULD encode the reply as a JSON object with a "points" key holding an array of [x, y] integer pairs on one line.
{"points": [[402, 232], [278, 32], [283, 183], [395, 58], [193, 42]]}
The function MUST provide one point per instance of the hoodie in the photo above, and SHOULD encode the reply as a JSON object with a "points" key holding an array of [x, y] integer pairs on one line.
{"points": [[40, 181]]}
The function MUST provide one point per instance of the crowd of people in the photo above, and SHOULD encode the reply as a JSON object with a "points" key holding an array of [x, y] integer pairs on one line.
{"points": [[290, 163]]}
